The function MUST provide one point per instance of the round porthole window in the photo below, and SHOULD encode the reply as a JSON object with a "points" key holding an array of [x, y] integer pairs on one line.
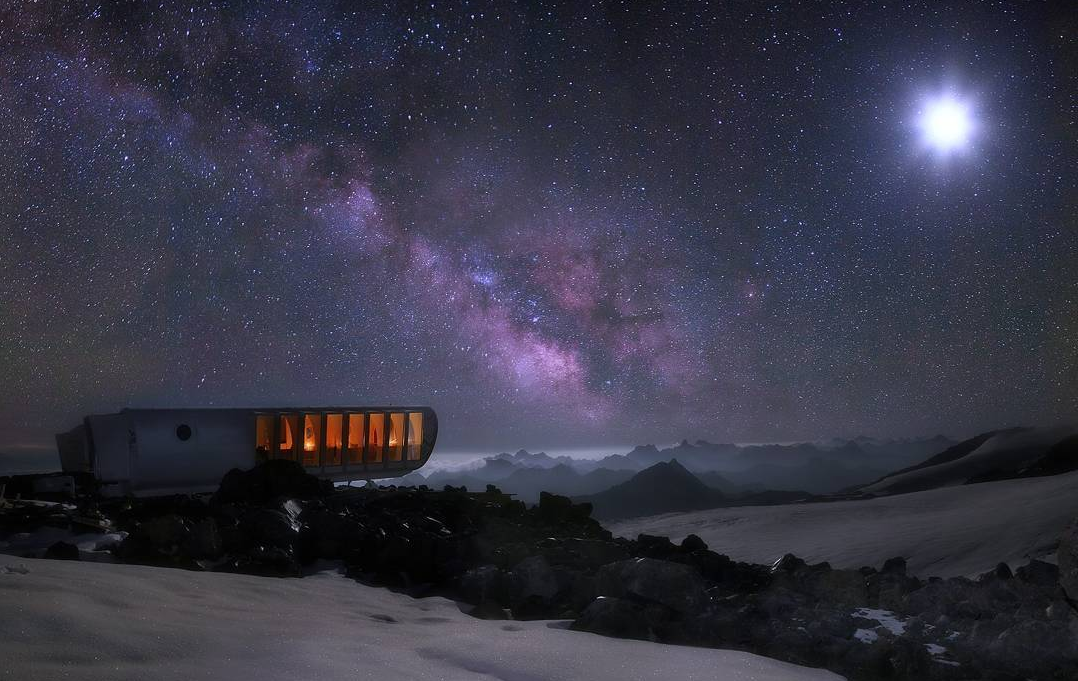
{"points": [[183, 431]]}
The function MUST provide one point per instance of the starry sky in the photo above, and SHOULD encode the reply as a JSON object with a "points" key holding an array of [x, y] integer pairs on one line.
{"points": [[559, 224]]}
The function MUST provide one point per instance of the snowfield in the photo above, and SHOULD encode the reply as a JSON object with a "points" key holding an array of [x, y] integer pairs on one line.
{"points": [[947, 532], [102, 621]]}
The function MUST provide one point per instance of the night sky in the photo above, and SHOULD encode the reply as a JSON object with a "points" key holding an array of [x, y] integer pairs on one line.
{"points": [[558, 225]]}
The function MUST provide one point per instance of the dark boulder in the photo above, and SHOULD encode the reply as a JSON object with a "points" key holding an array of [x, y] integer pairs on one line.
{"points": [[486, 583], [490, 610], [693, 543], [1068, 563], [203, 540], [615, 617], [894, 566], [62, 550], [273, 528], [788, 563], [652, 546], [156, 541], [269, 481], [166, 533], [1039, 573], [329, 535], [676, 586], [533, 578], [555, 508]]}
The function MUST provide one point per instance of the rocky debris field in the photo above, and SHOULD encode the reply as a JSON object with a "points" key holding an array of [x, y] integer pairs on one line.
{"points": [[504, 560]]}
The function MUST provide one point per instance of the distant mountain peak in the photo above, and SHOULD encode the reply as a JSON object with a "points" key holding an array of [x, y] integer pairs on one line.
{"points": [[663, 487]]}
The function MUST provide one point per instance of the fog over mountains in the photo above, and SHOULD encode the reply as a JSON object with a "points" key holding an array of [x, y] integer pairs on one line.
{"points": [[734, 470], [649, 480]]}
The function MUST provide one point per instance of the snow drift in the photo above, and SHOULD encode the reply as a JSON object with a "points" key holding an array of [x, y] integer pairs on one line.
{"points": [[98, 621]]}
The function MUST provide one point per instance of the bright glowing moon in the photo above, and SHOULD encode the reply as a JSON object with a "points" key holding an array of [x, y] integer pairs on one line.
{"points": [[946, 124]]}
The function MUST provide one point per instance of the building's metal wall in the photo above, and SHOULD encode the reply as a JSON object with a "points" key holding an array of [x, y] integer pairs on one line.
{"points": [[111, 446], [219, 441]]}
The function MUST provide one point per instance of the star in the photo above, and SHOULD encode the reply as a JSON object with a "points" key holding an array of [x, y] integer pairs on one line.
{"points": [[946, 124]]}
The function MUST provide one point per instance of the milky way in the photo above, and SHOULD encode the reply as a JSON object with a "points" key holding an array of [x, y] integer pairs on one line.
{"points": [[556, 224]]}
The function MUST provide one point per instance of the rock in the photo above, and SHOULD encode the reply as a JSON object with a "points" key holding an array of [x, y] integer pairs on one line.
{"points": [[271, 528], [594, 553], [556, 508], [204, 540], [676, 586], [533, 578], [613, 617], [845, 588], [62, 550], [329, 535], [652, 546], [788, 563], [693, 543], [1040, 573], [484, 583], [1068, 563], [894, 566], [166, 533], [271, 480], [489, 610]]}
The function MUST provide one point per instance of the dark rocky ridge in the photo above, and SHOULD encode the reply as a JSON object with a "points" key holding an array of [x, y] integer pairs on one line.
{"points": [[554, 560]]}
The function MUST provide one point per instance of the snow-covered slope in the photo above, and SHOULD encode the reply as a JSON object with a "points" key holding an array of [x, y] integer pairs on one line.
{"points": [[1008, 450], [945, 532], [98, 621]]}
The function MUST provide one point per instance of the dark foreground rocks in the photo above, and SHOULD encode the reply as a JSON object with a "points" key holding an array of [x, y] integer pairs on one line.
{"points": [[501, 559]]}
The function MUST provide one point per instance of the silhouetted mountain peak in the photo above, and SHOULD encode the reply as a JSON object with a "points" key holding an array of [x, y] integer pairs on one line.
{"points": [[663, 487], [667, 477]]}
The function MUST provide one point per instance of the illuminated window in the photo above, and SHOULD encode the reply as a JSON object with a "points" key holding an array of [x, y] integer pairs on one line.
{"points": [[355, 439], [415, 435], [334, 437], [286, 438], [396, 436], [312, 427], [375, 437], [263, 437]]}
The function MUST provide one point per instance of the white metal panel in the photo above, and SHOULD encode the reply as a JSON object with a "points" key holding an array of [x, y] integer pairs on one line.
{"points": [[219, 441], [112, 444]]}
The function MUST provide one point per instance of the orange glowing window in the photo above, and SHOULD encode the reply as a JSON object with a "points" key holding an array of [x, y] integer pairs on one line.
{"points": [[355, 438], [376, 432], [263, 437], [396, 436], [312, 436], [334, 440], [415, 435], [286, 438]]}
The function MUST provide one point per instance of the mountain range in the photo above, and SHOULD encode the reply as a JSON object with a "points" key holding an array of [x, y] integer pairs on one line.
{"points": [[734, 470]]}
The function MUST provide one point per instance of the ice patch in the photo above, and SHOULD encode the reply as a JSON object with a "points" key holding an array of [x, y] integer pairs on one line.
{"points": [[935, 649], [885, 618], [866, 636]]}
